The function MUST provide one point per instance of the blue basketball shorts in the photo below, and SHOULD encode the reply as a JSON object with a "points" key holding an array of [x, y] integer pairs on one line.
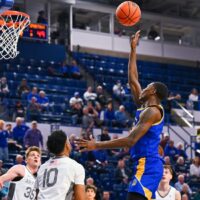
{"points": [[147, 175]]}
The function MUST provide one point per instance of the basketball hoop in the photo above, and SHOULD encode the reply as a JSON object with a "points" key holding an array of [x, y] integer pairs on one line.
{"points": [[12, 24]]}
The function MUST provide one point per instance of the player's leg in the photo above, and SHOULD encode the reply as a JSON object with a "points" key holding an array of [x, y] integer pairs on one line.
{"points": [[135, 196]]}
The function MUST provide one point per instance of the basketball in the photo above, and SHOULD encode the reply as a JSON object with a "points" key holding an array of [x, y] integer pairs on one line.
{"points": [[128, 13]]}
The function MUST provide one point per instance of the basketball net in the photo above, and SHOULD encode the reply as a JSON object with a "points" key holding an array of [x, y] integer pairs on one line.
{"points": [[12, 24]]}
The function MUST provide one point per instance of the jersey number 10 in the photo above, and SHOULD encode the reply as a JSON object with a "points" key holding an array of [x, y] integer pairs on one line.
{"points": [[50, 177]]}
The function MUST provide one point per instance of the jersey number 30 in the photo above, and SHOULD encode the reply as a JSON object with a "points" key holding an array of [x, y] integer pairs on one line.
{"points": [[50, 177]]}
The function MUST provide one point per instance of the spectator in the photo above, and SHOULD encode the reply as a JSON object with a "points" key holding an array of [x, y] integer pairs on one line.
{"points": [[181, 151], [33, 110], [193, 99], [9, 130], [33, 136], [74, 70], [19, 131], [195, 167], [101, 98], [127, 90], [64, 70], [87, 123], [118, 90], [23, 88], [106, 195], [90, 192], [121, 173], [19, 160], [4, 86], [101, 157], [43, 101], [90, 181], [19, 110], [180, 166], [76, 113], [3, 142], [89, 95], [120, 117], [153, 34], [2, 170], [171, 150], [167, 160], [164, 140], [197, 144], [185, 197], [186, 190], [93, 113], [105, 135], [75, 99], [100, 112], [33, 93], [41, 17], [109, 115], [179, 184]]}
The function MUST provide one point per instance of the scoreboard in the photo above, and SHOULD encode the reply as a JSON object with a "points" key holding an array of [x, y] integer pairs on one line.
{"points": [[36, 32]]}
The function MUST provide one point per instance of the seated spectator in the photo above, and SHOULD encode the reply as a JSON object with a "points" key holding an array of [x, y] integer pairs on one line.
{"points": [[2, 170], [89, 95], [180, 166], [74, 70], [43, 101], [186, 190], [165, 139], [101, 98], [3, 142], [19, 131], [33, 110], [121, 173], [109, 115], [100, 112], [9, 130], [90, 192], [106, 195], [23, 88], [181, 151], [118, 90], [195, 167], [75, 99], [19, 110], [127, 90], [179, 184], [89, 181], [64, 70], [76, 113], [33, 136], [19, 160], [101, 157], [171, 150], [41, 17], [120, 117], [33, 93], [104, 135], [167, 160]]}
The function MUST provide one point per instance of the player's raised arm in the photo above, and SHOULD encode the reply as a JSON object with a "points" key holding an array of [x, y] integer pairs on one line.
{"points": [[12, 173], [132, 70], [150, 116]]}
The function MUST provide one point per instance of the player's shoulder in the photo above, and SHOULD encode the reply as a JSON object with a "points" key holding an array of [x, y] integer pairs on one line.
{"points": [[75, 163]]}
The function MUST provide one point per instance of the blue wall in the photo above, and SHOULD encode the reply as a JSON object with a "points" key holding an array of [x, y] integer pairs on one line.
{"points": [[41, 51]]}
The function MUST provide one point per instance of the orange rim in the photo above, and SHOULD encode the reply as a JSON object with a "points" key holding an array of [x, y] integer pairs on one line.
{"points": [[14, 13]]}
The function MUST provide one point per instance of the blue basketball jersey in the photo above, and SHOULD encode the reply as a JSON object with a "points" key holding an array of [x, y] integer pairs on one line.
{"points": [[148, 145]]}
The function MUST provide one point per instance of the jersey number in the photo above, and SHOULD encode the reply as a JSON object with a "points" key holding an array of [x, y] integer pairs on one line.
{"points": [[30, 193], [50, 177]]}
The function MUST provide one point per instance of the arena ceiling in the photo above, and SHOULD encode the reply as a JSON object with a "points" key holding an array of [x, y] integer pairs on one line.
{"points": [[189, 9]]}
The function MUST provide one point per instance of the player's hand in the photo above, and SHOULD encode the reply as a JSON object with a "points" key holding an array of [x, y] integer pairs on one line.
{"points": [[85, 145], [134, 40]]}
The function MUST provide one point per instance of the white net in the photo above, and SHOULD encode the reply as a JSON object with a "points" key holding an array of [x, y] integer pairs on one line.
{"points": [[12, 24]]}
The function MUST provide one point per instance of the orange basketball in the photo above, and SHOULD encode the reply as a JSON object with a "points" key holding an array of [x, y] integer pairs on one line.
{"points": [[128, 13]]}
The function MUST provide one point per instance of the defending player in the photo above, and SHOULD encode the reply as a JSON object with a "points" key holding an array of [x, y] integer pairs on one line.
{"points": [[165, 191], [60, 176], [23, 177], [144, 138]]}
